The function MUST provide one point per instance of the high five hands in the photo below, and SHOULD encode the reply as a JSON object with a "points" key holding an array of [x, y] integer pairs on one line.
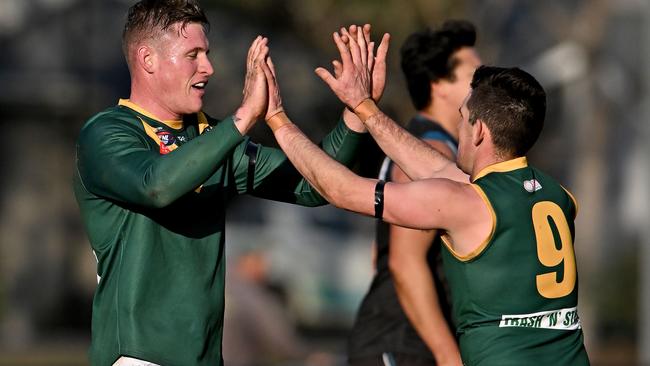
{"points": [[255, 93], [360, 74]]}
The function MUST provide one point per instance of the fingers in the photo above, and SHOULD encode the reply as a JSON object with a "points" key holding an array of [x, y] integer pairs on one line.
{"points": [[252, 52], [256, 54], [338, 68], [382, 50], [379, 68], [346, 57], [270, 75], [352, 45], [371, 55], [366, 32], [263, 50], [363, 46], [326, 76], [269, 62], [371, 46]]}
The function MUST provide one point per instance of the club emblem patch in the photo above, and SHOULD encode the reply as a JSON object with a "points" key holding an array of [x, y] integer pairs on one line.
{"points": [[532, 185], [166, 138]]}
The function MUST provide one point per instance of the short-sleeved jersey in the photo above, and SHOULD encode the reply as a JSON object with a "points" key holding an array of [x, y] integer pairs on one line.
{"points": [[515, 298], [381, 324], [153, 196]]}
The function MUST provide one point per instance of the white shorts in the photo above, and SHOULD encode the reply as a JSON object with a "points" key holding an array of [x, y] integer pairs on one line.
{"points": [[129, 361]]}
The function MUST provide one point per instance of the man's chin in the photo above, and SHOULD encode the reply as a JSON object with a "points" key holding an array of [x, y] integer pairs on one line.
{"points": [[194, 108]]}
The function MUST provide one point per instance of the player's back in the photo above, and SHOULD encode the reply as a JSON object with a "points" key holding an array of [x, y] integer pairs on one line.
{"points": [[515, 298]]}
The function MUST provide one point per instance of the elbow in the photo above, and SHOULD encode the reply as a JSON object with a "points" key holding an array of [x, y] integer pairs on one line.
{"points": [[159, 201], [336, 197], [157, 197]]}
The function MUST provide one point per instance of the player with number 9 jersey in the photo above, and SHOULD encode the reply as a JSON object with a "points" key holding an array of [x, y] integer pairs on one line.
{"points": [[515, 297]]}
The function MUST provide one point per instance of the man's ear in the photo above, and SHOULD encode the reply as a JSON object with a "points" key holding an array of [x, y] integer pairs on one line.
{"points": [[439, 89], [146, 58], [479, 132]]}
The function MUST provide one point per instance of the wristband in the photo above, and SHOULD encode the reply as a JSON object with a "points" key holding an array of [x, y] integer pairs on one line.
{"points": [[366, 109], [379, 199], [278, 120]]}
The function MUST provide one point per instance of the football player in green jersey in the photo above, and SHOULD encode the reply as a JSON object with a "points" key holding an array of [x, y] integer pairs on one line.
{"points": [[508, 228], [154, 176]]}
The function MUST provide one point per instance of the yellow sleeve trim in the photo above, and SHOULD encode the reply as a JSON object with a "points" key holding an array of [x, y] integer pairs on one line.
{"points": [[575, 202], [481, 248]]}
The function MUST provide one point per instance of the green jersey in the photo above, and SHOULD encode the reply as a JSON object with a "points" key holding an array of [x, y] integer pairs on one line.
{"points": [[153, 196], [515, 298]]}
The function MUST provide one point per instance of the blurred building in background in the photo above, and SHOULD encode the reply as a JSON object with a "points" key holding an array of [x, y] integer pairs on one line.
{"points": [[61, 62]]}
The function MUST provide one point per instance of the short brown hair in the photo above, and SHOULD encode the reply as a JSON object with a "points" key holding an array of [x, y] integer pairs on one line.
{"points": [[152, 18], [511, 103]]}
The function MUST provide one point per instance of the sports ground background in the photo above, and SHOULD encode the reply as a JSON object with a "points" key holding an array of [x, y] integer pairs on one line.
{"points": [[61, 62]]}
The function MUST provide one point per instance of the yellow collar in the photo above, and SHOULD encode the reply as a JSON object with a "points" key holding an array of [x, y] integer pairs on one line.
{"points": [[175, 124], [504, 166]]}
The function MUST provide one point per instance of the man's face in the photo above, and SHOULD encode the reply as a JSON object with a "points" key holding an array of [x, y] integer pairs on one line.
{"points": [[184, 69], [468, 62], [465, 157]]}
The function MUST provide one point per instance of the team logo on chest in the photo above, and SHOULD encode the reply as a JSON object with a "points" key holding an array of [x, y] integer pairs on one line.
{"points": [[167, 140]]}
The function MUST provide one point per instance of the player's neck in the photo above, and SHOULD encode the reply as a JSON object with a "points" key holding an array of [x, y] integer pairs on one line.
{"points": [[144, 96], [486, 156], [443, 116]]}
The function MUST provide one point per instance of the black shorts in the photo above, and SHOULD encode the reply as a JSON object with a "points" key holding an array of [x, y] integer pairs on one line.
{"points": [[392, 359]]}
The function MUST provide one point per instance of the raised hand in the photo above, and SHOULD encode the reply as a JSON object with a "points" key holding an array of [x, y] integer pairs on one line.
{"points": [[275, 100], [377, 63], [254, 103], [353, 83]]}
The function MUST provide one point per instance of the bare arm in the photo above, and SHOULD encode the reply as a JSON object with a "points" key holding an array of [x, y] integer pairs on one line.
{"points": [[415, 286], [416, 291], [353, 87], [339, 185], [415, 157]]}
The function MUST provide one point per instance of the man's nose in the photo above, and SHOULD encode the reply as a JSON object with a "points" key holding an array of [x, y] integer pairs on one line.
{"points": [[205, 67]]}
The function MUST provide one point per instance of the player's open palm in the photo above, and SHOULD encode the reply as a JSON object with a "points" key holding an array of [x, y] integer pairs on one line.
{"points": [[353, 82]]}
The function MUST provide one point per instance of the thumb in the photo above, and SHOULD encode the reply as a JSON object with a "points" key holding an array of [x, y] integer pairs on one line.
{"points": [[326, 76]]}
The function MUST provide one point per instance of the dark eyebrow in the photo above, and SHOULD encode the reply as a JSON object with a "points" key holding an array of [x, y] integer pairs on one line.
{"points": [[198, 49]]}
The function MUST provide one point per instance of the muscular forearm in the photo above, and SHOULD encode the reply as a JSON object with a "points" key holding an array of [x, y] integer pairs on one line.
{"points": [[334, 181], [424, 313], [416, 291], [277, 179], [418, 159]]}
